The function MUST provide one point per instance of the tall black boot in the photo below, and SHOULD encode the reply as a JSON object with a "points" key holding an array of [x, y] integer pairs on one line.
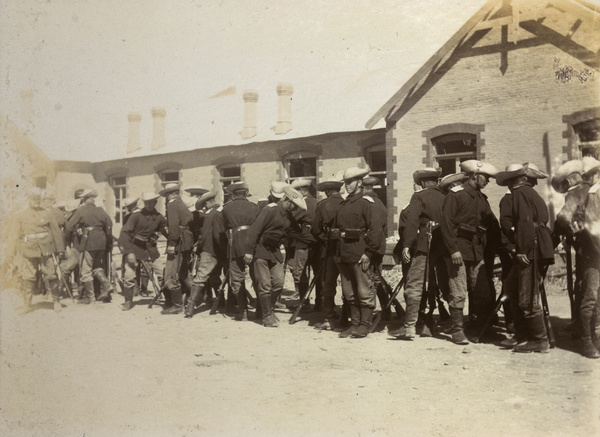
{"points": [[355, 317], [268, 318], [458, 335], [177, 302], [88, 293], [128, 293], [366, 317], [196, 296], [537, 340], [242, 314], [55, 290], [328, 313], [106, 287]]}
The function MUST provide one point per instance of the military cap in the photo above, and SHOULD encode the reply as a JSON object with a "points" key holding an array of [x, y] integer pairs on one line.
{"points": [[475, 166], [355, 173], [426, 173], [295, 196], [277, 189], [237, 186], [86, 194], [71, 205], [128, 201], [590, 165], [563, 172], [169, 188], [533, 171], [149, 195], [449, 179], [330, 184], [515, 170], [205, 198], [196, 190], [300, 183], [371, 181]]}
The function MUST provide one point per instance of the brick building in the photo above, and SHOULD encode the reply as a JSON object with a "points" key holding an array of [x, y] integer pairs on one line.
{"points": [[518, 82]]}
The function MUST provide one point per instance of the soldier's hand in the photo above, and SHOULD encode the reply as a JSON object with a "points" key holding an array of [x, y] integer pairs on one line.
{"points": [[364, 262], [248, 258], [170, 250], [456, 258], [406, 255], [523, 260]]}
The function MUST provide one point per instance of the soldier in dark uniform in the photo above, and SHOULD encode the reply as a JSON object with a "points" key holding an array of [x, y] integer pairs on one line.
{"points": [[211, 254], [36, 238], [533, 252], [360, 230], [232, 226], [450, 181], [325, 213], [588, 221], [138, 242], [506, 253], [263, 242], [423, 211], [305, 245], [179, 246], [95, 227], [129, 207], [568, 180], [467, 220]]}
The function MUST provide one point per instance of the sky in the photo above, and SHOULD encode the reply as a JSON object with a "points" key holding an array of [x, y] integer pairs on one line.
{"points": [[90, 63]]}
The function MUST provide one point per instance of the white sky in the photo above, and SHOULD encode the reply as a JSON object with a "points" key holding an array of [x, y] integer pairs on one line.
{"points": [[89, 63]]}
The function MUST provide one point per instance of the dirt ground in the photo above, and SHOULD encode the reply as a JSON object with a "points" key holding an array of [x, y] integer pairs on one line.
{"points": [[97, 371]]}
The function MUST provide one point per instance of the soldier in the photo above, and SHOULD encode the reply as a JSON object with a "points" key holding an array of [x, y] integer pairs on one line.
{"points": [[304, 244], [48, 203], [467, 221], [179, 246], [95, 228], [360, 230], [450, 181], [589, 312], [325, 213], [233, 224], [138, 245], [129, 207], [422, 214], [506, 253], [211, 255], [263, 242], [533, 252], [568, 180], [36, 241]]}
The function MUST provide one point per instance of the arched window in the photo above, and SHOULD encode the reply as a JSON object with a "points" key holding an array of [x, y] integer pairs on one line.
{"points": [[301, 164]]}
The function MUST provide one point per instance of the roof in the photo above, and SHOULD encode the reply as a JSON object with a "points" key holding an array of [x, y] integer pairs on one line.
{"points": [[570, 25]]}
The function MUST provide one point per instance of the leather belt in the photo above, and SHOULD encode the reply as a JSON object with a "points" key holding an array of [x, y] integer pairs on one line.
{"points": [[35, 236], [91, 228], [241, 228]]}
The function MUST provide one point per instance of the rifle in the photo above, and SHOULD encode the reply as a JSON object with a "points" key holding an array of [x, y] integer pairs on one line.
{"points": [[59, 273], [390, 292], [157, 291], [392, 299], [425, 295], [570, 291], [306, 296]]}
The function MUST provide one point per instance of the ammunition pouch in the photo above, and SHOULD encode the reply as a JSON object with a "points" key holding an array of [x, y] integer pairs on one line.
{"points": [[334, 234], [468, 231], [271, 241], [152, 239]]}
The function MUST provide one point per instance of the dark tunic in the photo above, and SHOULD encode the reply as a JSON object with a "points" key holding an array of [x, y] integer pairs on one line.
{"points": [[236, 214], [506, 223], [267, 232], [94, 217], [325, 213], [357, 212], [178, 223], [425, 206], [208, 243], [135, 236], [300, 232]]}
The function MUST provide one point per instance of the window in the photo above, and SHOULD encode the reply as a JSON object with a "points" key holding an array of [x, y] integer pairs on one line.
{"points": [[119, 187], [230, 173], [588, 134], [301, 165], [452, 149], [376, 160], [169, 177]]}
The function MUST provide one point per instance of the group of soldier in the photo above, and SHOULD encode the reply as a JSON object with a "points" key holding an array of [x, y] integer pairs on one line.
{"points": [[449, 238]]}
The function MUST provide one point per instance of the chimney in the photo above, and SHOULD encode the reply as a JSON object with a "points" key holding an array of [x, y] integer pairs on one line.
{"points": [[250, 114], [158, 136], [284, 120], [133, 139]]}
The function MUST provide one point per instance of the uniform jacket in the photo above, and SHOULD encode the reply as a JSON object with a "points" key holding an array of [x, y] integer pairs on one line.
{"points": [[179, 218], [506, 223], [529, 218], [590, 238], [465, 205], [37, 221], [196, 226], [92, 216], [238, 212], [325, 213], [266, 234], [143, 225], [300, 232], [358, 212], [424, 206], [208, 243]]}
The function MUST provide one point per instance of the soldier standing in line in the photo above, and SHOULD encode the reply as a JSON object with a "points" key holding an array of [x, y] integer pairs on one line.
{"points": [[533, 252], [179, 246], [233, 224], [36, 239], [138, 245], [568, 180], [425, 208], [506, 253], [360, 230], [466, 222], [211, 255], [263, 253], [129, 207], [589, 223], [305, 245], [95, 227], [325, 213]]}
